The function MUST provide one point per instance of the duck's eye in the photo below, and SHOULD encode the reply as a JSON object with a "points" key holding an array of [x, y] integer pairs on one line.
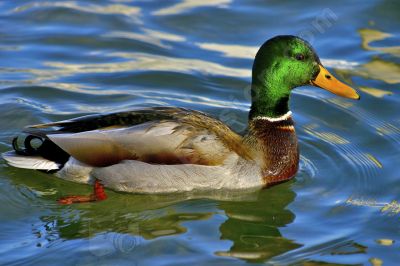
{"points": [[299, 57]]}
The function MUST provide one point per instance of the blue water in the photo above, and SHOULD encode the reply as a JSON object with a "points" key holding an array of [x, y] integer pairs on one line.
{"points": [[63, 59]]}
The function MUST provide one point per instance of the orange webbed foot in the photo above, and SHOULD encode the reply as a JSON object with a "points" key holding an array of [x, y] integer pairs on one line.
{"points": [[98, 195]]}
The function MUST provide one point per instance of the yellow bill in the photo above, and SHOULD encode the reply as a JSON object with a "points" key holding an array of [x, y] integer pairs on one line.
{"points": [[327, 81]]}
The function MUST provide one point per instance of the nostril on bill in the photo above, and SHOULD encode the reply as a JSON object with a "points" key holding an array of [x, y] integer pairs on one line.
{"points": [[328, 76]]}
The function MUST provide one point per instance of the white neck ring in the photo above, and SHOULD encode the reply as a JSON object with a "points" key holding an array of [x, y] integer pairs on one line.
{"points": [[274, 119]]}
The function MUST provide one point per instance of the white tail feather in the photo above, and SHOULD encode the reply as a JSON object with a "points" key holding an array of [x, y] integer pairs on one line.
{"points": [[29, 162]]}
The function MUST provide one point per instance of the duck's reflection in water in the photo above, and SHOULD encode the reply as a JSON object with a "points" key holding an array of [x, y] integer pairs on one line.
{"points": [[249, 228], [253, 226]]}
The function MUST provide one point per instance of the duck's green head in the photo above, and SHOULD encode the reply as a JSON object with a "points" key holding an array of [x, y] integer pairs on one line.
{"points": [[282, 64]]}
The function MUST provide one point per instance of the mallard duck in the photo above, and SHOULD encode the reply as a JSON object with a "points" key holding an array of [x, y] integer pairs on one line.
{"points": [[169, 149]]}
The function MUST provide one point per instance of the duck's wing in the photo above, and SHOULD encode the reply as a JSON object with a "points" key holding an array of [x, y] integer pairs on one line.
{"points": [[155, 135]]}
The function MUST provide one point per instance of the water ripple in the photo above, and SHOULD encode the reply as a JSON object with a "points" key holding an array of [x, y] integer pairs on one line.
{"points": [[116, 9], [187, 5]]}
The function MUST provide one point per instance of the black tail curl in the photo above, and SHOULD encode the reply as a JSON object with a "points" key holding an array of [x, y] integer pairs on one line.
{"points": [[27, 150], [46, 148]]}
